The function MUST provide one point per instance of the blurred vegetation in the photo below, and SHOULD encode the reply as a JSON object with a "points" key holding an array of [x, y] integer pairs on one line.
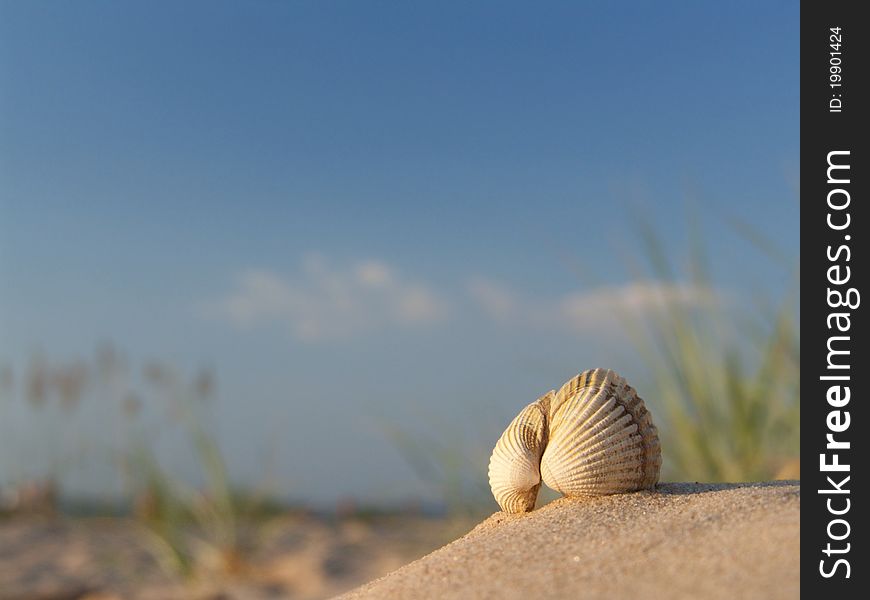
{"points": [[191, 530], [194, 530], [726, 378]]}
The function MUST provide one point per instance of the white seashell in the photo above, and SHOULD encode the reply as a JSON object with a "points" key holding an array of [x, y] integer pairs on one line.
{"points": [[514, 468], [592, 437]]}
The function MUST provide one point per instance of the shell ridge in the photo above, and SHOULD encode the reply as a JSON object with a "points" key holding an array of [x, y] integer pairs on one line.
{"points": [[632, 451], [626, 439], [605, 455], [587, 405], [602, 429], [591, 409], [589, 448]]}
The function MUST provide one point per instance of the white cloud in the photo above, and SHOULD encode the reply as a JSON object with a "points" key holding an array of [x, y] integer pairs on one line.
{"points": [[604, 306], [495, 299], [374, 274], [324, 302], [597, 309]]}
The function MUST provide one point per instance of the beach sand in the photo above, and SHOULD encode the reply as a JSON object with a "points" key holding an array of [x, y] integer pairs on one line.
{"points": [[299, 557], [682, 540]]}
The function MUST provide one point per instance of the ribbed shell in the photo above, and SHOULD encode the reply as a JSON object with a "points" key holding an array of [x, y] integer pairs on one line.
{"points": [[514, 474], [594, 436], [601, 438]]}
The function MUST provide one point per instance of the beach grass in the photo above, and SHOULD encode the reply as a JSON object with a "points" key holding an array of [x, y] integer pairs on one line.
{"points": [[725, 376]]}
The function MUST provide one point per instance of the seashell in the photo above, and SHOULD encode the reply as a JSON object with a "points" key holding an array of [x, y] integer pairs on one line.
{"points": [[592, 437]]}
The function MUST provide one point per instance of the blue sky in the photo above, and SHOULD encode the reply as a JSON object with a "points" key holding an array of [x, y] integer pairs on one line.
{"points": [[361, 213]]}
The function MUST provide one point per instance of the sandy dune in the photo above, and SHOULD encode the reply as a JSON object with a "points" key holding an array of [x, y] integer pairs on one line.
{"points": [[681, 541]]}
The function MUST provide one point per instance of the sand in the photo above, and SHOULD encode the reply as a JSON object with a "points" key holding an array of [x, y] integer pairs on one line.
{"points": [[298, 557], [680, 541]]}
